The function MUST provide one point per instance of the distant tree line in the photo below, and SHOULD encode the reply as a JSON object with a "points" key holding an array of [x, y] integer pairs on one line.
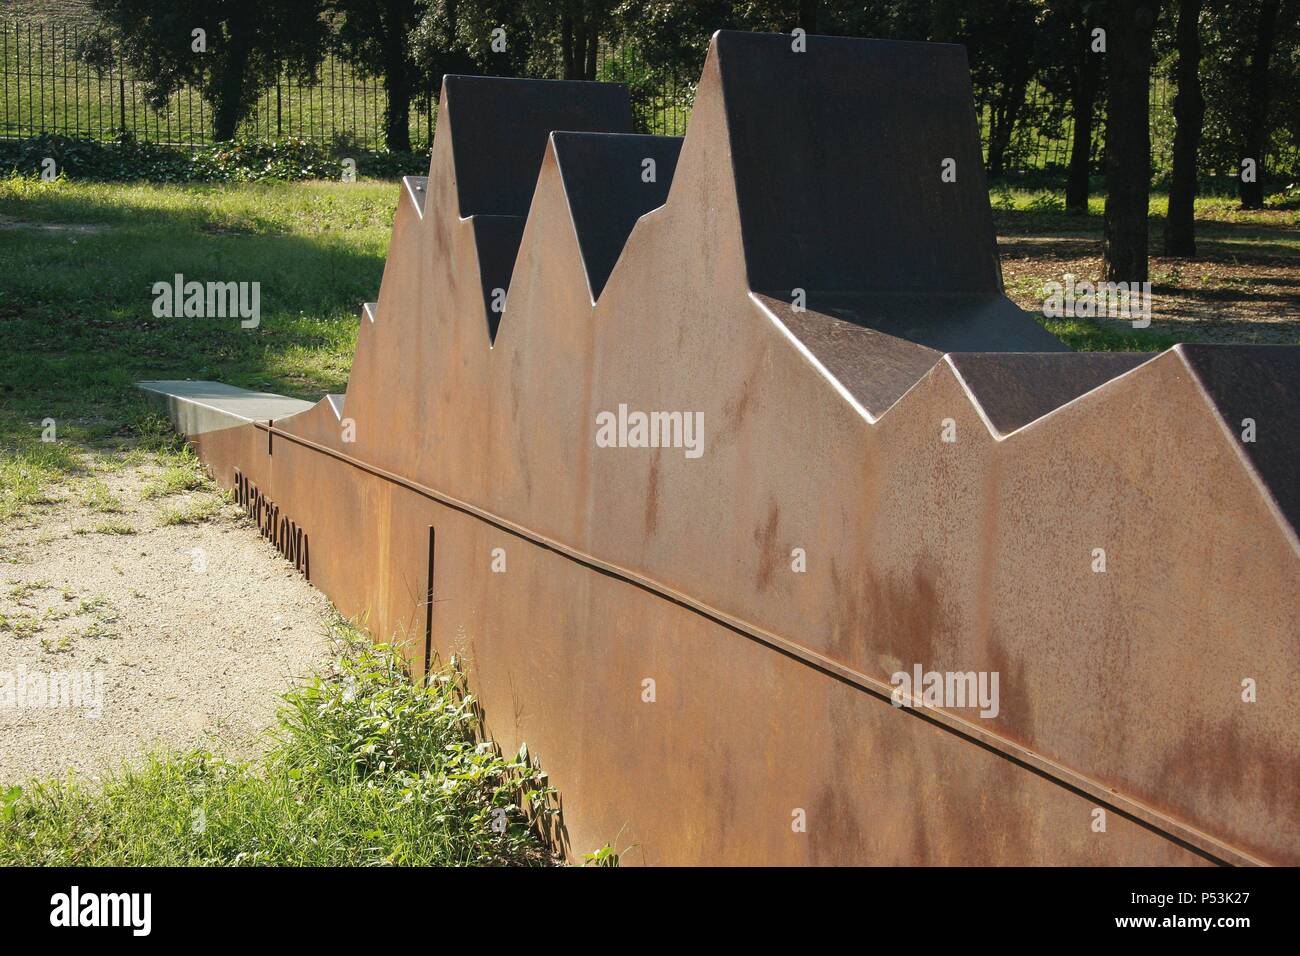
{"points": [[1235, 65]]}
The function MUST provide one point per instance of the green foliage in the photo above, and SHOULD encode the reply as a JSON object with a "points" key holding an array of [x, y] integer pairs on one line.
{"points": [[1228, 37], [249, 161], [606, 856], [660, 102], [452, 37], [78, 305], [244, 46], [1047, 202], [367, 768], [126, 159], [30, 470]]}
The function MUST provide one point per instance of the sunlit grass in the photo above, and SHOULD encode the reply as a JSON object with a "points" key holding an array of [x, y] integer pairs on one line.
{"points": [[366, 768], [77, 310]]}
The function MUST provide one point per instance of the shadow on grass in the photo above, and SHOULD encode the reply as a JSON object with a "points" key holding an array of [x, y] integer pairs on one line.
{"points": [[77, 310], [1280, 238]]}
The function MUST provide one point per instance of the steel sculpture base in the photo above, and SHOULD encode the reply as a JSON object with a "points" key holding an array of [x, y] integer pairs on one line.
{"points": [[899, 469]]}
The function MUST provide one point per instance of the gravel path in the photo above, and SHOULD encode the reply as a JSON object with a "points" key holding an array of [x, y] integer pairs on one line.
{"points": [[176, 622]]}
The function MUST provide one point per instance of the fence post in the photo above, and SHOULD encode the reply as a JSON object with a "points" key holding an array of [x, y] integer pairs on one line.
{"points": [[96, 126], [121, 89], [4, 38], [31, 76], [18, 126]]}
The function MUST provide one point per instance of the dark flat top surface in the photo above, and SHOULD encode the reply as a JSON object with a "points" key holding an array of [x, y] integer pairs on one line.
{"points": [[875, 368], [499, 129], [602, 174], [497, 240], [838, 156], [1016, 388], [878, 346], [1261, 382]]}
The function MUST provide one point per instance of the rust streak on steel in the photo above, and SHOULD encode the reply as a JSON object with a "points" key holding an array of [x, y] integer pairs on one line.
{"points": [[897, 472]]}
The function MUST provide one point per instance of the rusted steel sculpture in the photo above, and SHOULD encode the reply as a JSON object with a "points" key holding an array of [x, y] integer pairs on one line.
{"points": [[700, 631]]}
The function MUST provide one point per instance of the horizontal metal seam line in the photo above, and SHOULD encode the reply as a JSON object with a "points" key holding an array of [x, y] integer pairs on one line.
{"points": [[1189, 837]]}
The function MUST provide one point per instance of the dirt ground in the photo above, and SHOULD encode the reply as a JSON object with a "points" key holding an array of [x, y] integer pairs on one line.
{"points": [[1243, 286], [178, 623]]}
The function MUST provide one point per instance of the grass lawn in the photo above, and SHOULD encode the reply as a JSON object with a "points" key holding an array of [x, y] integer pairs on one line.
{"points": [[76, 304], [367, 769]]}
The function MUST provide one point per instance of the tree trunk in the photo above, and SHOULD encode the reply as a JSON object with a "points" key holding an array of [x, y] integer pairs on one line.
{"points": [[578, 34], [1129, 26], [397, 79], [580, 25], [1255, 140], [579, 49], [808, 16], [1189, 113], [1002, 122], [997, 146], [566, 48], [1083, 99], [227, 89], [397, 113], [593, 38]]}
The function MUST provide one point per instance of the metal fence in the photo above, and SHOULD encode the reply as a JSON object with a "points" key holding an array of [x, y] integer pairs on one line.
{"points": [[48, 89]]}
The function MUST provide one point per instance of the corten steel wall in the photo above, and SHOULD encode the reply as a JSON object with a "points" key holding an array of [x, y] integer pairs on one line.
{"points": [[823, 431]]}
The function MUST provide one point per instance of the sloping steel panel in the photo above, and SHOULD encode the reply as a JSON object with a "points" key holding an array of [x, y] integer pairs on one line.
{"points": [[949, 508]]}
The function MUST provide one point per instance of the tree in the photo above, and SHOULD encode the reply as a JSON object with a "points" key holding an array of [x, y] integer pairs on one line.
{"points": [[1229, 30], [672, 35], [581, 25], [243, 46], [513, 37], [808, 15], [438, 45], [1083, 99], [1129, 26], [1071, 76], [1255, 135], [1189, 114], [374, 36], [1001, 39]]}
